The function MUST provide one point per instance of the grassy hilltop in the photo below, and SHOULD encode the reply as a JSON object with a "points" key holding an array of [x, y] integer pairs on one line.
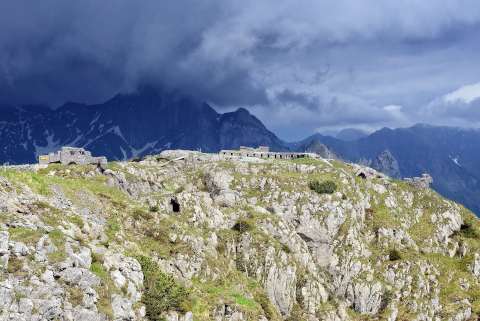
{"points": [[207, 238]]}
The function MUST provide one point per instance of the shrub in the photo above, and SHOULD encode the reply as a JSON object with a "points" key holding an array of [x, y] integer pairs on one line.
{"points": [[154, 208], [326, 187], [394, 255], [162, 293]]}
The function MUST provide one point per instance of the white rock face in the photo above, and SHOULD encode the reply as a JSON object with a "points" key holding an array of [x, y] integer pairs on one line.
{"points": [[218, 184], [4, 252], [366, 297], [475, 267]]}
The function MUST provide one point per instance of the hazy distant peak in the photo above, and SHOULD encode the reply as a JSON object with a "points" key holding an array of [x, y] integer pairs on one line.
{"points": [[350, 134]]}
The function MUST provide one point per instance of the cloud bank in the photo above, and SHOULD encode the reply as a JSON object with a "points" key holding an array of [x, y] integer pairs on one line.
{"points": [[299, 65]]}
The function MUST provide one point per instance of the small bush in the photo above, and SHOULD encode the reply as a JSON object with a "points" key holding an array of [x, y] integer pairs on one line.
{"points": [[162, 293], [394, 255], [154, 208], [326, 187]]}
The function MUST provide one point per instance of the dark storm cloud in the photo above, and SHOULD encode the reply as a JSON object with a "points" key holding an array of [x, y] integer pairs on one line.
{"points": [[316, 63]]}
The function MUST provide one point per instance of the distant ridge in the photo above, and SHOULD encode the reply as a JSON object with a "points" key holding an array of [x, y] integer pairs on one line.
{"points": [[450, 154], [129, 125]]}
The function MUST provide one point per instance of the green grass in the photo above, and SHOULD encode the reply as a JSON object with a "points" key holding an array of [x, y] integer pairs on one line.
{"points": [[37, 182], [113, 227], [58, 239], [77, 220], [234, 289], [98, 269], [243, 301], [162, 293], [25, 235], [141, 214]]}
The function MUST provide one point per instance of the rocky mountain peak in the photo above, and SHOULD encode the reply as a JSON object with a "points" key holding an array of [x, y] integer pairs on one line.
{"points": [[386, 163], [129, 125]]}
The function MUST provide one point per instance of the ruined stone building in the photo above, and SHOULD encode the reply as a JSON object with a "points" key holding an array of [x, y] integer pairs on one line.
{"points": [[265, 153], [71, 155], [420, 182]]}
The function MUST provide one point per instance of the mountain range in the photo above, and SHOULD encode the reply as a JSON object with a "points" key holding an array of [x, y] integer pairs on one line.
{"points": [[127, 126], [450, 155], [149, 121]]}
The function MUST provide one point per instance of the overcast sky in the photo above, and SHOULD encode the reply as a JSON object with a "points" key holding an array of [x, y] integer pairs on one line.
{"points": [[300, 66]]}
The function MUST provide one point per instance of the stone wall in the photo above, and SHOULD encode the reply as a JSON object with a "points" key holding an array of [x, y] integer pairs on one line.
{"points": [[265, 155]]}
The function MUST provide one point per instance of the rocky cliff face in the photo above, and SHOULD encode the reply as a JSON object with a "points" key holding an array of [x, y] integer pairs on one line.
{"points": [[386, 163], [206, 238]]}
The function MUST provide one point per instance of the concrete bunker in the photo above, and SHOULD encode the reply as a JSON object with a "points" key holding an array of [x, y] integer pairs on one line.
{"points": [[265, 153]]}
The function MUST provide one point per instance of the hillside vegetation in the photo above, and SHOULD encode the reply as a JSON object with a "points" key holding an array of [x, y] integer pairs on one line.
{"points": [[208, 238]]}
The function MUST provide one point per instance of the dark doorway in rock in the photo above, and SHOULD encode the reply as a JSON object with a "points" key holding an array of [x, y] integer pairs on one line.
{"points": [[175, 205], [362, 175]]}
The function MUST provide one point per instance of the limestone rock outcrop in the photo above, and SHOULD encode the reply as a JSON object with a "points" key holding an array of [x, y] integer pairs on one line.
{"points": [[247, 240]]}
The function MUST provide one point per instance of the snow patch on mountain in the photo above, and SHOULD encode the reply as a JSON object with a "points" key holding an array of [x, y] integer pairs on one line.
{"points": [[455, 160]]}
